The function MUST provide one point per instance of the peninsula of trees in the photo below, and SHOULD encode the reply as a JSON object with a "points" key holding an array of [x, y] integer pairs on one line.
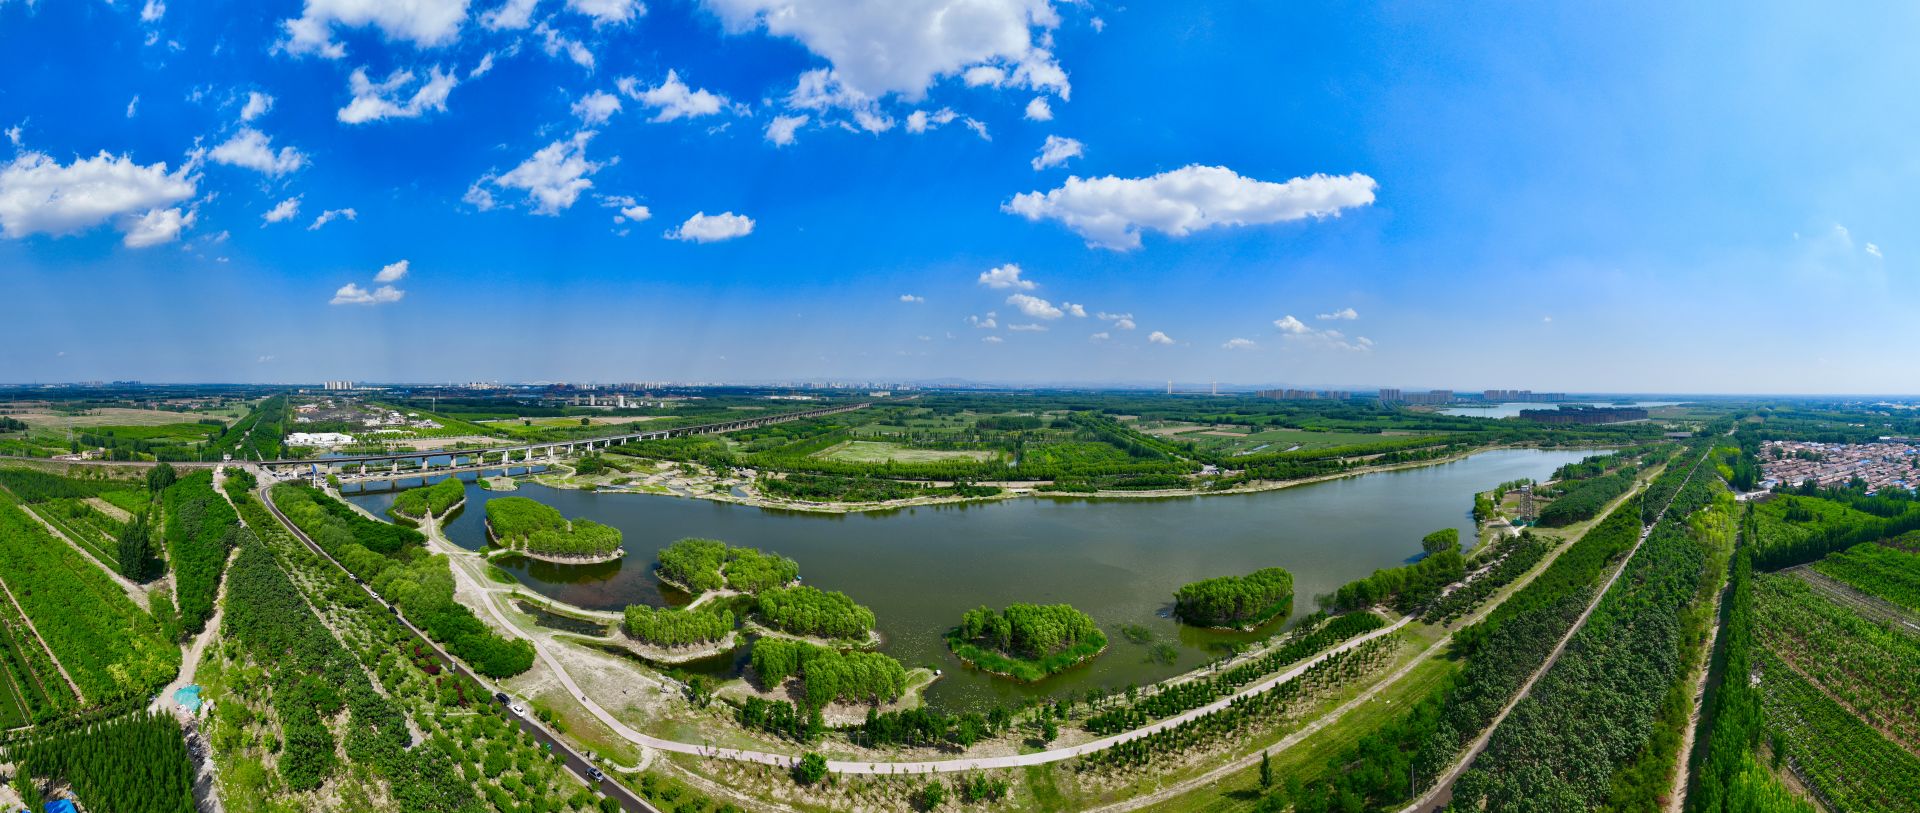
{"points": [[1027, 641], [804, 610], [1237, 602], [699, 565], [429, 501], [518, 523]]}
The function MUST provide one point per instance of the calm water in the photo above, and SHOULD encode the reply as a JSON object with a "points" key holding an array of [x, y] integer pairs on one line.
{"points": [[1512, 410], [1118, 560]]}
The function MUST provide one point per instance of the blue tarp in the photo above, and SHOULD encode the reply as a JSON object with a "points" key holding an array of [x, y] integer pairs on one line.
{"points": [[188, 697], [61, 806]]}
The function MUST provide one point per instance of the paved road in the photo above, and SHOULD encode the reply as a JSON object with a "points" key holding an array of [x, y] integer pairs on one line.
{"points": [[574, 760], [1437, 797]]}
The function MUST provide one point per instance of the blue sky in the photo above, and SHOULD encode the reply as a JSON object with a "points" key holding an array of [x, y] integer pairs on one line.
{"points": [[1589, 197]]}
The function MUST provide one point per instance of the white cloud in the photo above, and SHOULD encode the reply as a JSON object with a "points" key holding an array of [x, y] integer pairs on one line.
{"points": [[629, 210], [984, 75], [13, 135], [157, 226], [872, 121], [263, 359], [1240, 344], [133, 105], [608, 12], [1035, 306], [1079, 311], [1100, 337], [514, 14], [1028, 328], [331, 215], [920, 121], [373, 101], [1039, 109], [1343, 313], [40, 196], [553, 42], [1121, 321], [911, 299], [1298, 332], [596, 107], [674, 99], [992, 339], [486, 64], [1547, 319], [903, 46], [1005, 277], [153, 11], [1159, 338], [353, 294], [392, 272], [1110, 212], [426, 23], [253, 150], [987, 322], [706, 228], [1057, 151], [553, 177], [780, 130], [979, 128], [284, 210], [257, 105], [1873, 250]]}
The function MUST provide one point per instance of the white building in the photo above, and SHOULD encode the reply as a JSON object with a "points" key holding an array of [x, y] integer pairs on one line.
{"points": [[318, 439]]}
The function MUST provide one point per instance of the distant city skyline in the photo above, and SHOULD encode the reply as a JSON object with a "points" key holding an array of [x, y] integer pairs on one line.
{"points": [[1634, 198]]}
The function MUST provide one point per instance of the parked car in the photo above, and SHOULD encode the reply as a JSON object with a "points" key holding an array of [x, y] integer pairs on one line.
{"points": [[518, 710], [500, 696]]}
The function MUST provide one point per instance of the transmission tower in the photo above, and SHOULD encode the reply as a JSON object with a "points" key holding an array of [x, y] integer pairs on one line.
{"points": [[1526, 502]]}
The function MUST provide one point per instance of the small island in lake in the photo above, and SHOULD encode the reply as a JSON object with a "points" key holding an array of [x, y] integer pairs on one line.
{"points": [[1027, 641], [538, 531], [1236, 602]]}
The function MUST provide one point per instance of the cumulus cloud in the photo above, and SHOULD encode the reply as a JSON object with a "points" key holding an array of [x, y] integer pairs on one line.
{"points": [[1006, 277], [284, 210], [1240, 344], [331, 215], [153, 11], [1035, 306], [392, 272], [1110, 212], [920, 121], [257, 105], [133, 105], [352, 294], [674, 99], [984, 75], [553, 42], [486, 64], [157, 226], [706, 228], [1121, 321], [39, 195], [253, 150], [373, 101], [904, 46], [1079, 311], [512, 14], [426, 23], [1033, 327], [1343, 313], [627, 210], [780, 130], [1100, 337], [553, 177], [1039, 109], [1057, 151], [1297, 332], [987, 322], [1159, 338], [1873, 250], [911, 299], [608, 12], [596, 107]]}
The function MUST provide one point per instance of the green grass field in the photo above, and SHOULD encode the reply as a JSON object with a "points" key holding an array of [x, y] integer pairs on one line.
{"points": [[868, 451], [1280, 440]]}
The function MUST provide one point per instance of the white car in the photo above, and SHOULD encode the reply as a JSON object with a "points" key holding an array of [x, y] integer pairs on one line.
{"points": [[518, 710]]}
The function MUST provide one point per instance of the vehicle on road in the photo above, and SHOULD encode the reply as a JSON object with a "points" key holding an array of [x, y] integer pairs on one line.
{"points": [[518, 710], [500, 696]]}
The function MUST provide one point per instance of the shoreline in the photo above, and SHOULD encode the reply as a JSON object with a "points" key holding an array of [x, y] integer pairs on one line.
{"points": [[502, 551], [1077, 662]]}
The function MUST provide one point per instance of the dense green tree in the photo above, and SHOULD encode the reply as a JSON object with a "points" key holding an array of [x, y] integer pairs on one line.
{"points": [[1236, 601]]}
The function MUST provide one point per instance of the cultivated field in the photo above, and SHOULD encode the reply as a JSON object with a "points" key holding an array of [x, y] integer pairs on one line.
{"points": [[867, 451], [110, 416]]}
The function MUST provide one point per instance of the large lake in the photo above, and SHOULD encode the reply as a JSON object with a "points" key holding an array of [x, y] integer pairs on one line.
{"points": [[1513, 409], [1118, 560]]}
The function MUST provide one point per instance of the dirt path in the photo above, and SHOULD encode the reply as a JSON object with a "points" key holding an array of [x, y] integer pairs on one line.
{"points": [[191, 654], [1677, 794], [1437, 797], [135, 593], [43, 643]]}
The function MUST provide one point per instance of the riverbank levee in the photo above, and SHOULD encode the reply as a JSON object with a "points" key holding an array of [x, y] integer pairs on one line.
{"points": [[1120, 561]]}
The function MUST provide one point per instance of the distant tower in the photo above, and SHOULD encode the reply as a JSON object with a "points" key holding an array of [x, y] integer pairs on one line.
{"points": [[1169, 386], [1526, 502], [1216, 388]]}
